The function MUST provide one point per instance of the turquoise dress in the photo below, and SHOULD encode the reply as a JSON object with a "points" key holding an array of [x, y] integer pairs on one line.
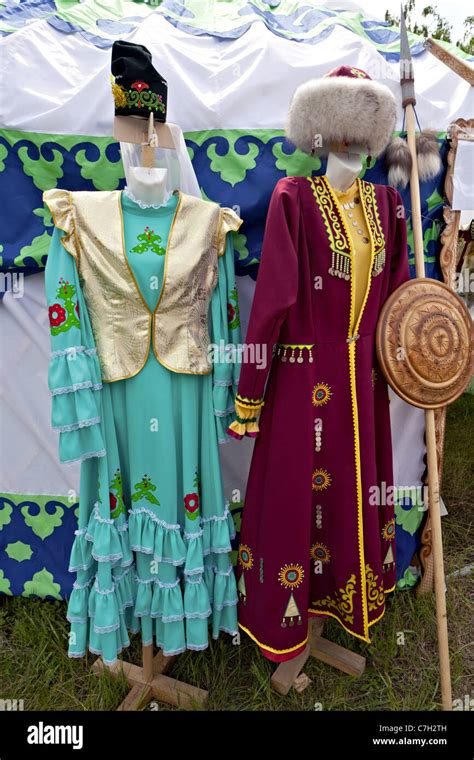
{"points": [[152, 550]]}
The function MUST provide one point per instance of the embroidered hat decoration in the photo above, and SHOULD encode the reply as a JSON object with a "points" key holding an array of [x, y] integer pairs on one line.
{"points": [[345, 106], [137, 87]]}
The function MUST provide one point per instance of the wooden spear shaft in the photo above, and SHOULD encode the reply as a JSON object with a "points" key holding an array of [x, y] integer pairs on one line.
{"points": [[430, 433]]}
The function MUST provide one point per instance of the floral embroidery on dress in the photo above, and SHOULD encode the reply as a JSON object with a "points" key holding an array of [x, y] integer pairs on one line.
{"points": [[191, 501], [233, 312], [144, 490], [116, 503], [150, 241], [321, 480], [62, 318], [321, 394], [320, 553], [245, 557], [291, 576], [117, 507], [388, 532]]}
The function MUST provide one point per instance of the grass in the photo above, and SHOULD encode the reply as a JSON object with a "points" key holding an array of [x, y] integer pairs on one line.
{"points": [[402, 665]]}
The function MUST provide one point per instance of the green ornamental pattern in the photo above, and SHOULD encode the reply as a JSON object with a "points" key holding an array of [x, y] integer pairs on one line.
{"points": [[101, 166], [144, 490], [117, 506], [144, 99], [149, 241], [62, 318]]}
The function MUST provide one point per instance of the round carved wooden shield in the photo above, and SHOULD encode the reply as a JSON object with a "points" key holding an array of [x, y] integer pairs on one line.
{"points": [[425, 341]]}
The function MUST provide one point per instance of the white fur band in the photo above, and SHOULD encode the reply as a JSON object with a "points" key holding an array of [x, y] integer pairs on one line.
{"points": [[341, 109]]}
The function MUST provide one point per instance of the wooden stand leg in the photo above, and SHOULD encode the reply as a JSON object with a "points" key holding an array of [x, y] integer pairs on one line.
{"points": [[339, 657], [332, 654], [150, 682]]}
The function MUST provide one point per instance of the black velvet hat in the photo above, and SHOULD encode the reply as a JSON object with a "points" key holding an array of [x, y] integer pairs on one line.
{"points": [[137, 87]]}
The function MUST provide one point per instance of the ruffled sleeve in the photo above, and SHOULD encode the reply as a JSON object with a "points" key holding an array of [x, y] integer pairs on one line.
{"points": [[226, 338], [229, 222], [62, 210], [74, 376], [247, 411]]}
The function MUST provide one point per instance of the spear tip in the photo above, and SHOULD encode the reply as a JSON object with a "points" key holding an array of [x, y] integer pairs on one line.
{"points": [[407, 77]]}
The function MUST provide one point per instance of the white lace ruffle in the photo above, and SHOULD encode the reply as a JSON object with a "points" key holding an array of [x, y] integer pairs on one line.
{"points": [[76, 387], [87, 455], [76, 425], [74, 350], [128, 193], [225, 412]]}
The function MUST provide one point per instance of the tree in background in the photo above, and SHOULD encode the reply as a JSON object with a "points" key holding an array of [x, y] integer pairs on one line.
{"points": [[434, 25]]}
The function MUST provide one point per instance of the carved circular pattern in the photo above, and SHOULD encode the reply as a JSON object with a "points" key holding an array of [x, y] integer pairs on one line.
{"points": [[425, 342]]}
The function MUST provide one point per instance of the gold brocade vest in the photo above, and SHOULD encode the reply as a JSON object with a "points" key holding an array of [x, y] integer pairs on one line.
{"points": [[121, 321]]}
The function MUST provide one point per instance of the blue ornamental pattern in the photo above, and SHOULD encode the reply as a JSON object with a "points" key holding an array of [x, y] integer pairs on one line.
{"points": [[237, 169]]}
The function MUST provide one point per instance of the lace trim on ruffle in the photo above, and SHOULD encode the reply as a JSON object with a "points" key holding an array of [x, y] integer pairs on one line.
{"points": [[74, 350], [217, 518], [157, 582], [230, 603], [76, 387], [223, 383], [144, 510], [77, 425], [197, 534], [230, 631], [107, 520], [87, 455], [99, 654], [219, 413], [79, 586], [216, 570]]}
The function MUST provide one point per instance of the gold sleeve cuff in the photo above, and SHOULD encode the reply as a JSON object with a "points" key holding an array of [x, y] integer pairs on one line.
{"points": [[229, 222], [60, 204], [246, 423]]}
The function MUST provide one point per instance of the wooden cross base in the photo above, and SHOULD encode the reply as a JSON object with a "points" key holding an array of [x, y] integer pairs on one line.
{"points": [[332, 654], [151, 682]]}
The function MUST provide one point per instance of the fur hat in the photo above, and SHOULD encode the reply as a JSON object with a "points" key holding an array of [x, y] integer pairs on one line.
{"points": [[344, 106]]}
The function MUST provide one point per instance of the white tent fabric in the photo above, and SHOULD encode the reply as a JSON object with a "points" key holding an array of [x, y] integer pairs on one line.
{"points": [[58, 83]]}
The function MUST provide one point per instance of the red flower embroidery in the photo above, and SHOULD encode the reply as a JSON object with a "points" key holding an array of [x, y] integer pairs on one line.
{"points": [[230, 312], [191, 502], [112, 501], [140, 86], [76, 308], [57, 315]]}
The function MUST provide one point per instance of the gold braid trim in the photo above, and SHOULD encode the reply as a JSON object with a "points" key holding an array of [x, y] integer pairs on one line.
{"points": [[369, 200], [342, 602]]}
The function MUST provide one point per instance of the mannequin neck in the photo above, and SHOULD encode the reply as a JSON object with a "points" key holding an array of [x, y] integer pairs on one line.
{"points": [[148, 184], [342, 169]]}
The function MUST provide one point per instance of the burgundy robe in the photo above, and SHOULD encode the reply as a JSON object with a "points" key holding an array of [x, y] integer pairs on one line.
{"points": [[317, 538]]}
